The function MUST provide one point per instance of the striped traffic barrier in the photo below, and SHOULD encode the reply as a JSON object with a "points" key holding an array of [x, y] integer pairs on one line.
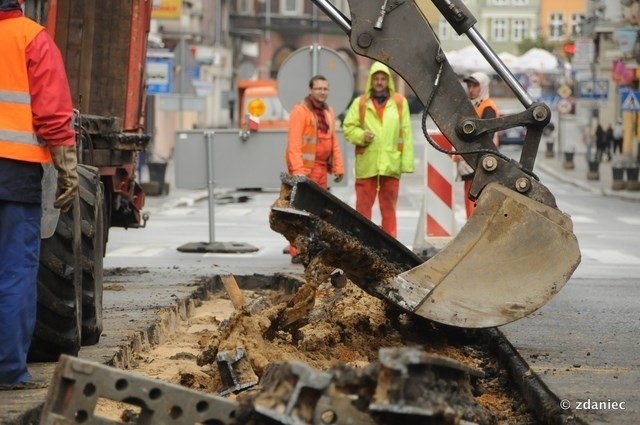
{"points": [[437, 224]]}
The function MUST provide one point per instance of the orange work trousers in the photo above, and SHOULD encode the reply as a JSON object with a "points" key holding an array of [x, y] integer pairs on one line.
{"points": [[387, 190]]}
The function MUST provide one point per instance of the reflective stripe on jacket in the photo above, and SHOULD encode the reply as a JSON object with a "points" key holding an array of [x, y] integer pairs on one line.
{"points": [[18, 139], [302, 137]]}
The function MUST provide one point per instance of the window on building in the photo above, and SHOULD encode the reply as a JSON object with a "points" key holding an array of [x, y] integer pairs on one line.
{"points": [[556, 26], [342, 6], [457, 36], [245, 7], [520, 2], [290, 7], [576, 23], [518, 29], [499, 29], [499, 2], [443, 29]]}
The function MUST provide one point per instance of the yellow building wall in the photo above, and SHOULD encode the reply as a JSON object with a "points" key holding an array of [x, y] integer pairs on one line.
{"points": [[566, 7], [429, 11]]}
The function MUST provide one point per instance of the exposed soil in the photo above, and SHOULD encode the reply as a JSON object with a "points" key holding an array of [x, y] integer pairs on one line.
{"points": [[339, 329]]}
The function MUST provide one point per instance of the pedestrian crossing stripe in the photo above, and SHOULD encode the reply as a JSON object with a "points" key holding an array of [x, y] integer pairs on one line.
{"points": [[630, 101]]}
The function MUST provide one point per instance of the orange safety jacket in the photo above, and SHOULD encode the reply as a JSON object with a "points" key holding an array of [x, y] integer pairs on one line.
{"points": [[18, 139], [487, 103], [301, 154]]}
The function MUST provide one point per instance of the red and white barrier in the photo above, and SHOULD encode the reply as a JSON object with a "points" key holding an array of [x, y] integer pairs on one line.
{"points": [[437, 220]]}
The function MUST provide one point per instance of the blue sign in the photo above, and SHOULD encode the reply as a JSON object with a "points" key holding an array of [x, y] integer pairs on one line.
{"points": [[629, 99], [550, 99], [593, 89], [159, 72], [194, 72]]}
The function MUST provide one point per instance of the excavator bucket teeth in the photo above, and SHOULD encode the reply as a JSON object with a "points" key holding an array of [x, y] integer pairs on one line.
{"points": [[512, 256]]}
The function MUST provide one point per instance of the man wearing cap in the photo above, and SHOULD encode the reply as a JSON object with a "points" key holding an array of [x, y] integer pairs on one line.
{"points": [[478, 93], [35, 129]]}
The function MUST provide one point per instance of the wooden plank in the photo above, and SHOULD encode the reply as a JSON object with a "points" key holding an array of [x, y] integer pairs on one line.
{"points": [[110, 65], [87, 48], [73, 58], [62, 25], [234, 292]]}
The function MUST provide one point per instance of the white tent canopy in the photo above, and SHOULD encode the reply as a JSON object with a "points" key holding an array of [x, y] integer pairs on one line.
{"points": [[538, 60], [469, 59]]}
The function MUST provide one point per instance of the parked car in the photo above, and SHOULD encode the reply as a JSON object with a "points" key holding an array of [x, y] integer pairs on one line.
{"points": [[516, 135], [511, 136]]}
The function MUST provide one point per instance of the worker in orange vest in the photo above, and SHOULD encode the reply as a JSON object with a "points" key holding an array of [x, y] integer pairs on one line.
{"points": [[35, 129], [312, 143], [478, 93]]}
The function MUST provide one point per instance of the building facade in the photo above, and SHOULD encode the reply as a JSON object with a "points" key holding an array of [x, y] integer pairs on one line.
{"points": [[562, 21], [503, 23]]}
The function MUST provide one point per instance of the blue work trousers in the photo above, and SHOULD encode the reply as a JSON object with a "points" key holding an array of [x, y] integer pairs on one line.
{"points": [[19, 253]]}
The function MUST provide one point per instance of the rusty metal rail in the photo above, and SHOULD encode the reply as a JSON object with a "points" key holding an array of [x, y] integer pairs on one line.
{"points": [[78, 385], [406, 383]]}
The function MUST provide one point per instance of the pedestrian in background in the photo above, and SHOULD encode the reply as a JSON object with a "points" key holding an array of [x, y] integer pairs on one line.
{"points": [[618, 133], [601, 142], [35, 128], [312, 144], [486, 108], [608, 141], [378, 123]]}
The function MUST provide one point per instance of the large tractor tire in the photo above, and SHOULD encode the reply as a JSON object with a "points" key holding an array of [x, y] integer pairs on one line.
{"points": [[59, 315], [70, 280], [94, 232]]}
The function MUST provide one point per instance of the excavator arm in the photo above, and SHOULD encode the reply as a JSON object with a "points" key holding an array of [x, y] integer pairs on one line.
{"points": [[379, 31], [518, 249]]}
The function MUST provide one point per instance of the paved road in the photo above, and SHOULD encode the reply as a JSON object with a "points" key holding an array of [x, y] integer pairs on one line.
{"points": [[584, 342]]}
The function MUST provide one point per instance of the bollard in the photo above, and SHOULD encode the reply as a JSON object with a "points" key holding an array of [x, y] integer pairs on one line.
{"points": [[568, 161], [549, 153], [594, 172], [618, 177], [157, 171], [632, 177]]}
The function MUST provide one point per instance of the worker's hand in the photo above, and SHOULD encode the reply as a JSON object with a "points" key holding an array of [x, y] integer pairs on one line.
{"points": [[368, 137], [65, 159], [338, 178]]}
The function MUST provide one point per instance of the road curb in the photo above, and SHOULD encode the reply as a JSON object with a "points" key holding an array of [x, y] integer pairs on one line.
{"points": [[583, 185]]}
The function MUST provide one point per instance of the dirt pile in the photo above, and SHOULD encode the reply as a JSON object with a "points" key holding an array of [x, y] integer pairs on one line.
{"points": [[347, 328]]}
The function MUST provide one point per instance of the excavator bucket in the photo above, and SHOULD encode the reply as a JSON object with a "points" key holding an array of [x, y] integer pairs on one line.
{"points": [[512, 256]]}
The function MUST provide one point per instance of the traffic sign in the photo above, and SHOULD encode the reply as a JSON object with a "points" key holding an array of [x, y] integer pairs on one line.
{"points": [[564, 106], [593, 89], [159, 74], [564, 91], [629, 100]]}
